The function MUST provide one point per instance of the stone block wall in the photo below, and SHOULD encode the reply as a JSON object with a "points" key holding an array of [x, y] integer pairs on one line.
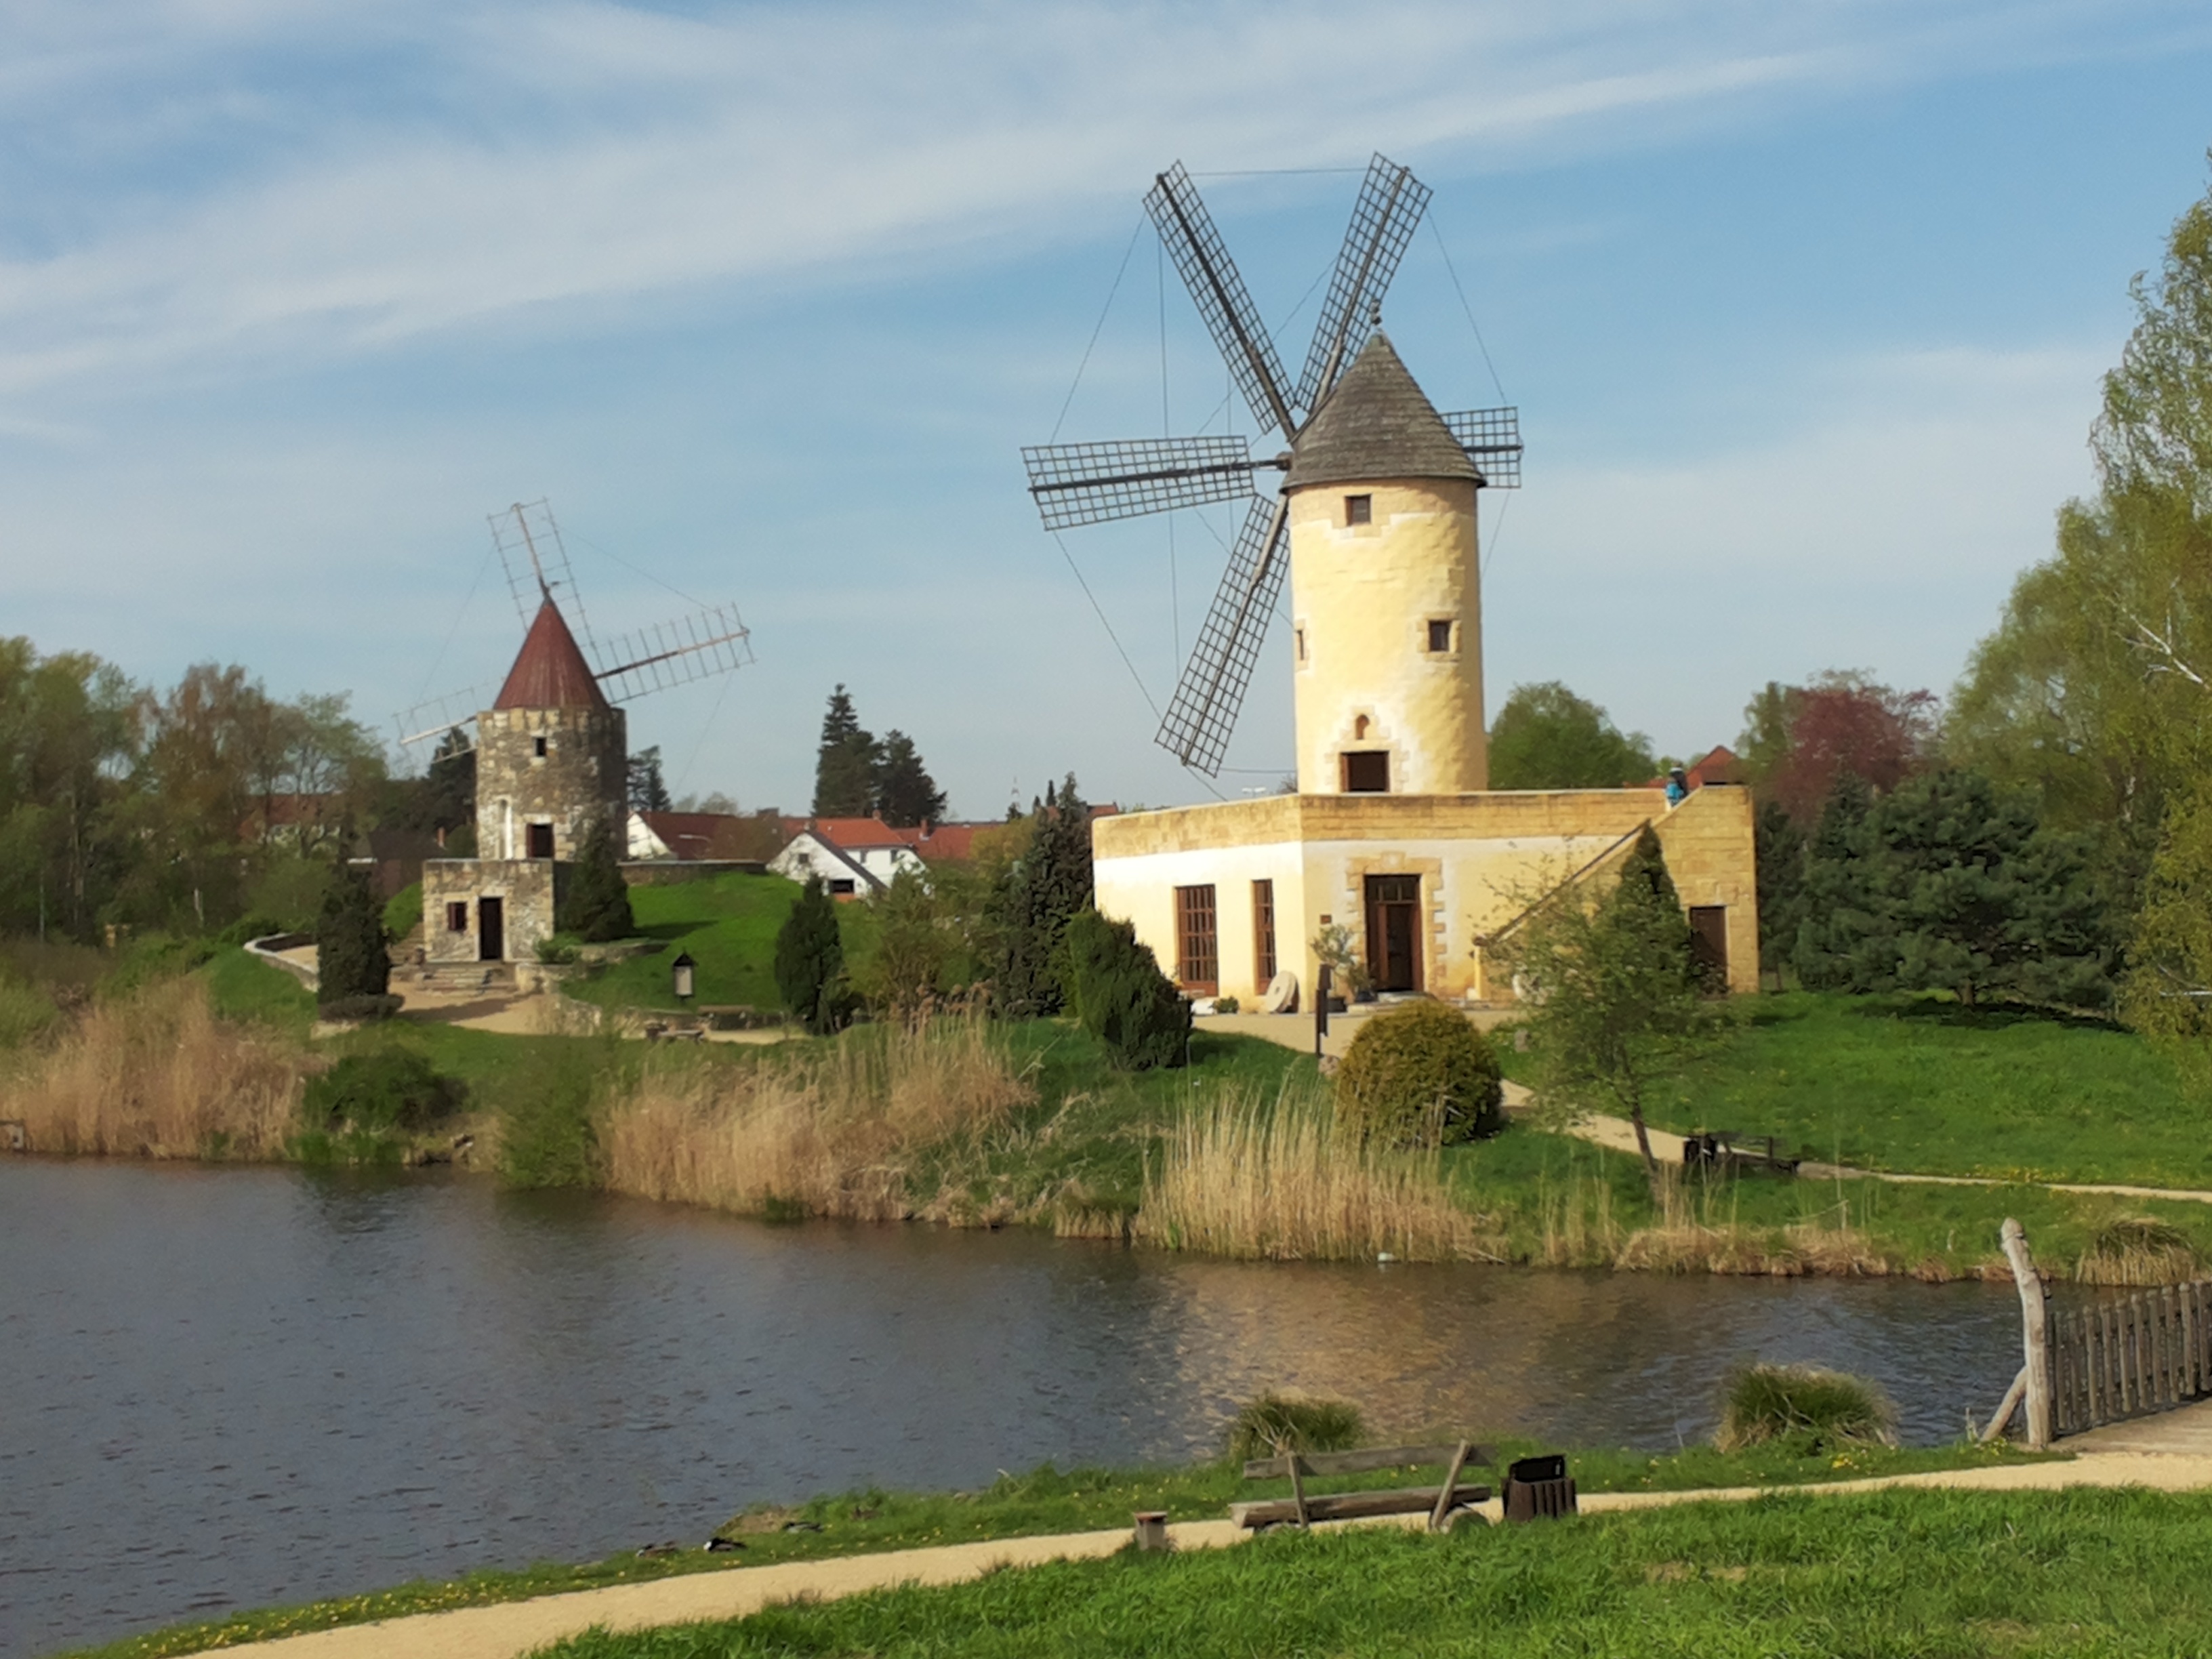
{"points": [[559, 767]]}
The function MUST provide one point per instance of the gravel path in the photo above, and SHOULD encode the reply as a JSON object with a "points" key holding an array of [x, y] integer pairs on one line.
{"points": [[2168, 1453]]}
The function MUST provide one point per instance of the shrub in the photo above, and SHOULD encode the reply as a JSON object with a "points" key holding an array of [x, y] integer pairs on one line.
{"points": [[595, 904], [363, 1009], [1804, 1405], [1120, 996], [402, 911], [393, 1089], [1227, 1005], [1273, 1424], [1420, 1076], [556, 948]]}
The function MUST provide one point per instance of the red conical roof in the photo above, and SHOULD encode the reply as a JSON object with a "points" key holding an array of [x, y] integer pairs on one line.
{"points": [[550, 672]]}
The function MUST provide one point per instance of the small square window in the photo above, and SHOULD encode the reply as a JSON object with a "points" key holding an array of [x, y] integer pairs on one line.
{"points": [[457, 917], [842, 887], [1358, 509], [540, 841], [538, 747], [1440, 635], [1302, 645]]}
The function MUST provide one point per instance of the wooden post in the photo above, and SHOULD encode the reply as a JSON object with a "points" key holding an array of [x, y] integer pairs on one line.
{"points": [[2010, 1404], [1152, 1527], [2033, 1314], [1451, 1485]]}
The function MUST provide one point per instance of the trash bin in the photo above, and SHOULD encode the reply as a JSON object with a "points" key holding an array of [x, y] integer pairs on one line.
{"points": [[1539, 1489]]}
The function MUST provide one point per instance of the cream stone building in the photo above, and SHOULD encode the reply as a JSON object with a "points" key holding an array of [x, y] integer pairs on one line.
{"points": [[1393, 834]]}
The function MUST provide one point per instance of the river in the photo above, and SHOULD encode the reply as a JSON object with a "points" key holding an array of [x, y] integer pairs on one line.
{"points": [[230, 1387]]}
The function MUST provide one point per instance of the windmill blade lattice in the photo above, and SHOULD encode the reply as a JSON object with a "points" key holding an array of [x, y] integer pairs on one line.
{"points": [[669, 654], [1077, 484], [1199, 256], [1383, 220], [1492, 438], [536, 560], [1211, 694]]}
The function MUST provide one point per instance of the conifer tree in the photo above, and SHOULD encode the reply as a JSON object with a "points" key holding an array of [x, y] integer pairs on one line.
{"points": [[810, 961], [905, 793], [1779, 849], [648, 790], [1834, 911], [1949, 883], [844, 762], [1051, 883], [350, 958], [595, 903]]}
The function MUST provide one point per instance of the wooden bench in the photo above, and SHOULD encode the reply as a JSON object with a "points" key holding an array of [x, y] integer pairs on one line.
{"points": [[1730, 1153], [1302, 1508]]}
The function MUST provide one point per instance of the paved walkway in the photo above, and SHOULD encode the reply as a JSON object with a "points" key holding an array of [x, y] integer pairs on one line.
{"points": [[2171, 1452]]}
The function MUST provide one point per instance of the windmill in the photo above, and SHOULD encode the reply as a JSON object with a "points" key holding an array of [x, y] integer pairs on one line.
{"points": [[1086, 484], [712, 639]]}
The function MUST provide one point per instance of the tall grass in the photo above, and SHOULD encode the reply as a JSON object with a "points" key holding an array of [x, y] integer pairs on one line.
{"points": [[155, 1073], [2139, 1249], [1242, 1177], [1804, 1404], [825, 1130]]}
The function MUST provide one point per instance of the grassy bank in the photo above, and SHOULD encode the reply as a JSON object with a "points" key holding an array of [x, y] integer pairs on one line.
{"points": [[728, 924], [1043, 1502], [1894, 1574], [1921, 1085]]}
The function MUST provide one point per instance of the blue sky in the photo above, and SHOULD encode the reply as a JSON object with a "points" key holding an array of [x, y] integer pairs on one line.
{"points": [[1803, 306]]}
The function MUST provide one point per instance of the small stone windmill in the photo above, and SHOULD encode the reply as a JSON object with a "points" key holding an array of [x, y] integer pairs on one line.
{"points": [[551, 747], [1325, 439]]}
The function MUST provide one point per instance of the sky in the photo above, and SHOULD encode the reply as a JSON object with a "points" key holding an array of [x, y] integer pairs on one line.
{"points": [[1804, 309]]}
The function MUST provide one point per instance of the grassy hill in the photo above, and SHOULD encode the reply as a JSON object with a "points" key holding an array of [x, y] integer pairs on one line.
{"points": [[728, 924]]}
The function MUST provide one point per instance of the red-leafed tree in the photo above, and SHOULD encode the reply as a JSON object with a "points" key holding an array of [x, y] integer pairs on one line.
{"points": [[1805, 737]]}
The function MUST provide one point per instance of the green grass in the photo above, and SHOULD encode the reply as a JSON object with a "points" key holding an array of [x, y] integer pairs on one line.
{"points": [[1893, 1575], [245, 987], [1043, 1501], [728, 924], [1919, 1084], [1938, 1230]]}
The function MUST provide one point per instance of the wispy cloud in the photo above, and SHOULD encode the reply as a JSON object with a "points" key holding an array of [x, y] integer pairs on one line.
{"points": [[250, 184]]}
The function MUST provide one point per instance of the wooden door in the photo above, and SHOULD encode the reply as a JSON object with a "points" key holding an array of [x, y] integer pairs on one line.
{"points": [[491, 930], [1393, 932]]}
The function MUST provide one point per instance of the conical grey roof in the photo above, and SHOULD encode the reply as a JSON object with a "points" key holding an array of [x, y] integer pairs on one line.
{"points": [[1377, 423]]}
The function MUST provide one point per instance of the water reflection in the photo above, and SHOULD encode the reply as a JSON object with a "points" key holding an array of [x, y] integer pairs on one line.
{"points": [[255, 1386]]}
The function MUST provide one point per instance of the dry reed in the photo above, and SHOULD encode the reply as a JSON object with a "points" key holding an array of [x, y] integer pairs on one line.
{"points": [[1239, 1177], [1690, 1236], [157, 1073], [823, 1130], [2139, 1249]]}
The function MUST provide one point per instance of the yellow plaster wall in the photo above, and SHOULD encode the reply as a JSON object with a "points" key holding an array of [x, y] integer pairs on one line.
{"points": [[1362, 598], [1482, 858]]}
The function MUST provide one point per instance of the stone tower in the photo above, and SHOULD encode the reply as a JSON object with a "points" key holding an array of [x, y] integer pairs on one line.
{"points": [[1385, 597], [552, 754]]}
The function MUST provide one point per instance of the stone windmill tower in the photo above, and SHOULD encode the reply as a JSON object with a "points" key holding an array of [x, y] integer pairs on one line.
{"points": [[552, 752]]}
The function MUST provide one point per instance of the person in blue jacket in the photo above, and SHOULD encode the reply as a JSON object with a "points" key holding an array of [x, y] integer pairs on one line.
{"points": [[1678, 787]]}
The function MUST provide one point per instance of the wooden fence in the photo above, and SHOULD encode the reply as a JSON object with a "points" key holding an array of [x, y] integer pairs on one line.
{"points": [[2127, 1356]]}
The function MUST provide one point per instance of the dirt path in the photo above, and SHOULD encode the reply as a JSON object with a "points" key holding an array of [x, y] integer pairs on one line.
{"points": [[2168, 1453]]}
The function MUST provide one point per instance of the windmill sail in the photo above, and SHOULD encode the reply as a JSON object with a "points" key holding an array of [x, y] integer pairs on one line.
{"points": [[1492, 438], [1207, 701], [711, 641], [1383, 220], [1196, 247], [1077, 484]]}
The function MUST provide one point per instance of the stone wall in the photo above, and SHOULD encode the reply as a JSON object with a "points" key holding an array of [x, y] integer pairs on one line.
{"points": [[529, 891], [1481, 860], [563, 767]]}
